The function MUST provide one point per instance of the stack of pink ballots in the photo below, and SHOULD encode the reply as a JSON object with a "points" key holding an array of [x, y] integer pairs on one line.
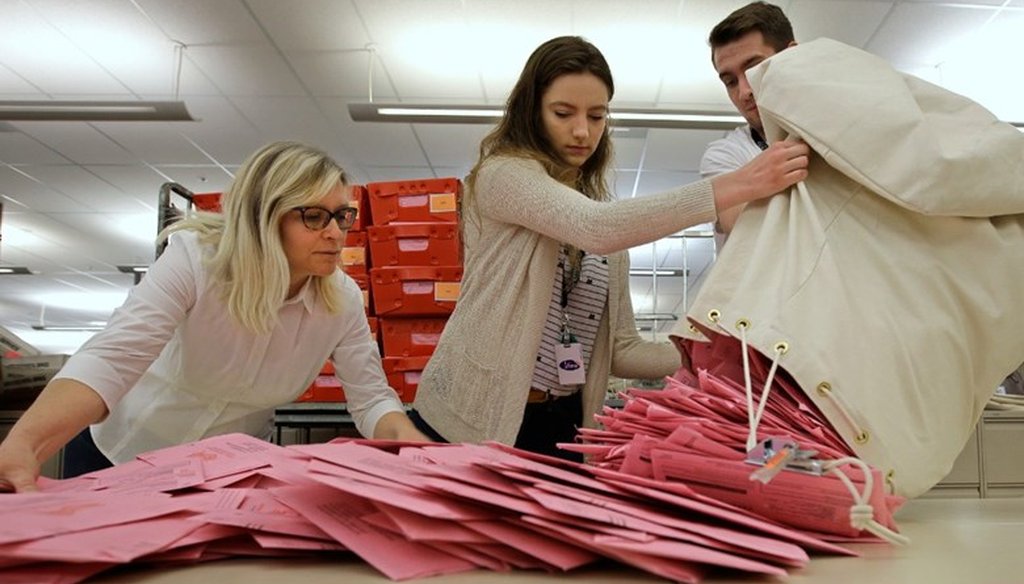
{"points": [[695, 432], [409, 510]]}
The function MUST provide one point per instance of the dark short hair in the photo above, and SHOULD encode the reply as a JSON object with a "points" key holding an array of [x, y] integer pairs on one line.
{"points": [[767, 19]]}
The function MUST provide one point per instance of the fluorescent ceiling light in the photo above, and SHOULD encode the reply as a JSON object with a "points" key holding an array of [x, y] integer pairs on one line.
{"points": [[479, 114], [658, 272], [646, 316], [13, 270], [66, 328], [95, 111]]}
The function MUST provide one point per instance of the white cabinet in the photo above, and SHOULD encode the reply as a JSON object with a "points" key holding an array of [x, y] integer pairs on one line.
{"points": [[992, 462]]}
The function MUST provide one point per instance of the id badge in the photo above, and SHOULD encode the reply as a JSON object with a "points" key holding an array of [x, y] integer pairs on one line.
{"points": [[569, 359]]}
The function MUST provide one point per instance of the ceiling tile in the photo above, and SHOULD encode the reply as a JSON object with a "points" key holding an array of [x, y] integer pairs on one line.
{"points": [[658, 181], [117, 37], [317, 25], [44, 57], [923, 34], [677, 150], [289, 118], [252, 70], [140, 182], [77, 141], [201, 22], [375, 143], [32, 194], [13, 86], [341, 74], [18, 148], [451, 144], [849, 21], [153, 142]]}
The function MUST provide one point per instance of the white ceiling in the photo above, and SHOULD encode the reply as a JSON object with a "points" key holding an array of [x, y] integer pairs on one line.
{"points": [[80, 198]]}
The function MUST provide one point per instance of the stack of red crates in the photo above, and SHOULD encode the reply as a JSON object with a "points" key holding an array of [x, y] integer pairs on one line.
{"points": [[416, 256], [355, 261]]}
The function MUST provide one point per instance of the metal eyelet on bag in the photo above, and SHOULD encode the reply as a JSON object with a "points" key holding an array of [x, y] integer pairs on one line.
{"points": [[824, 388], [714, 315], [781, 347], [862, 437], [890, 479], [693, 329], [742, 323]]}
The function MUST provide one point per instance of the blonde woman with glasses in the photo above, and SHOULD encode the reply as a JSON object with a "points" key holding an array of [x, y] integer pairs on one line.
{"points": [[235, 318]]}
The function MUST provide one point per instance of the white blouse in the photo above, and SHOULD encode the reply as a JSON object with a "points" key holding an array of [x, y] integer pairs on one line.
{"points": [[173, 366]]}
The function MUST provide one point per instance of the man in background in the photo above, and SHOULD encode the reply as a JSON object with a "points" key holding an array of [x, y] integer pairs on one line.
{"points": [[746, 37]]}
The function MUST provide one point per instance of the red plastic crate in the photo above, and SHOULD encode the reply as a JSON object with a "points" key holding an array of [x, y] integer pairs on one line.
{"points": [[325, 388], [404, 375], [207, 201], [353, 254], [415, 244], [363, 281], [358, 199], [406, 201], [416, 290], [411, 337], [374, 323]]}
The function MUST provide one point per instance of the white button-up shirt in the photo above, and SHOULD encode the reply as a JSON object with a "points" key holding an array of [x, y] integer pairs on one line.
{"points": [[173, 366]]}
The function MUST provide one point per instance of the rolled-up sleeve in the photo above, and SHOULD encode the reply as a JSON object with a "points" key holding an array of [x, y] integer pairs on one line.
{"points": [[357, 365], [113, 360]]}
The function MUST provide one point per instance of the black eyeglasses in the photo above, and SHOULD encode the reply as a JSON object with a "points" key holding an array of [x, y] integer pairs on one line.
{"points": [[317, 218]]}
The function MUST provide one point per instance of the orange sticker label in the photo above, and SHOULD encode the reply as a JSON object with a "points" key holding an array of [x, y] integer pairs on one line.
{"points": [[442, 202], [353, 256], [447, 291]]}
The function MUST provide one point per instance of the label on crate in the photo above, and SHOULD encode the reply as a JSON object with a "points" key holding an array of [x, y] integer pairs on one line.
{"points": [[353, 256], [447, 291], [442, 202], [413, 201]]}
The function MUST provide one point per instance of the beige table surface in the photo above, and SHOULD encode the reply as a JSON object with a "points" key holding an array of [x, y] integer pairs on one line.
{"points": [[963, 541]]}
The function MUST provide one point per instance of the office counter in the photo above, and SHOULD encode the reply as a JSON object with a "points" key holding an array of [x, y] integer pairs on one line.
{"points": [[962, 541]]}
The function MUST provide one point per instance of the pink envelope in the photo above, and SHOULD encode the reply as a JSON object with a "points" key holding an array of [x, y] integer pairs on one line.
{"points": [[338, 514]]}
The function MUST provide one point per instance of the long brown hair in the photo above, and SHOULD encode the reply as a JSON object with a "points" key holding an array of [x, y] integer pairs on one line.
{"points": [[521, 131]]}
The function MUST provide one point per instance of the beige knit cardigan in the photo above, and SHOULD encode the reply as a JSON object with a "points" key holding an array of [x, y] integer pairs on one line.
{"points": [[475, 386]]}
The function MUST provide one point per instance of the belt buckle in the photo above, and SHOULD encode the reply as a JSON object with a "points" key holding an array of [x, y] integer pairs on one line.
{"points": [[537, 396]]}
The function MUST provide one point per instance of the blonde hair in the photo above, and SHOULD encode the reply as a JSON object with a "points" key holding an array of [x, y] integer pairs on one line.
{"points": [[248, 260]]}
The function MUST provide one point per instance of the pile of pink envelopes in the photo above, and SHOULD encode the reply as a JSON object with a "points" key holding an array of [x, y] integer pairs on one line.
{"points": [[409, 510], [695, 431]]}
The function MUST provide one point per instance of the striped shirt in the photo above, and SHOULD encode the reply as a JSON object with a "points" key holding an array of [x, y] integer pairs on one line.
{"points": [[586, 303]]}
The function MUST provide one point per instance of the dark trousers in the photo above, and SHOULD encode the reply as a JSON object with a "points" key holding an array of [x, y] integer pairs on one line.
{"points": [[82, 457], [544, 425]]}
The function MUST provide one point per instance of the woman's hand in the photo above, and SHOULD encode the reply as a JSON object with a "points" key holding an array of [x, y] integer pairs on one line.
{"points": [[19, 467], [398, 426], [776, 169]]}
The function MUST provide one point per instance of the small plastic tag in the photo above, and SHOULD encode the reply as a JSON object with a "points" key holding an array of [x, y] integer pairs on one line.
{"points": [[447, 291], [442, 202], [569, 362]]}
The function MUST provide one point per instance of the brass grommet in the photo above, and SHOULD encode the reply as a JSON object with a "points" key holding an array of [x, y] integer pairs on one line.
{"points": [[742, 323], [693, 329], [824, 388], [862, 438], [782, 347], [714, 315], [890, 479]]}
